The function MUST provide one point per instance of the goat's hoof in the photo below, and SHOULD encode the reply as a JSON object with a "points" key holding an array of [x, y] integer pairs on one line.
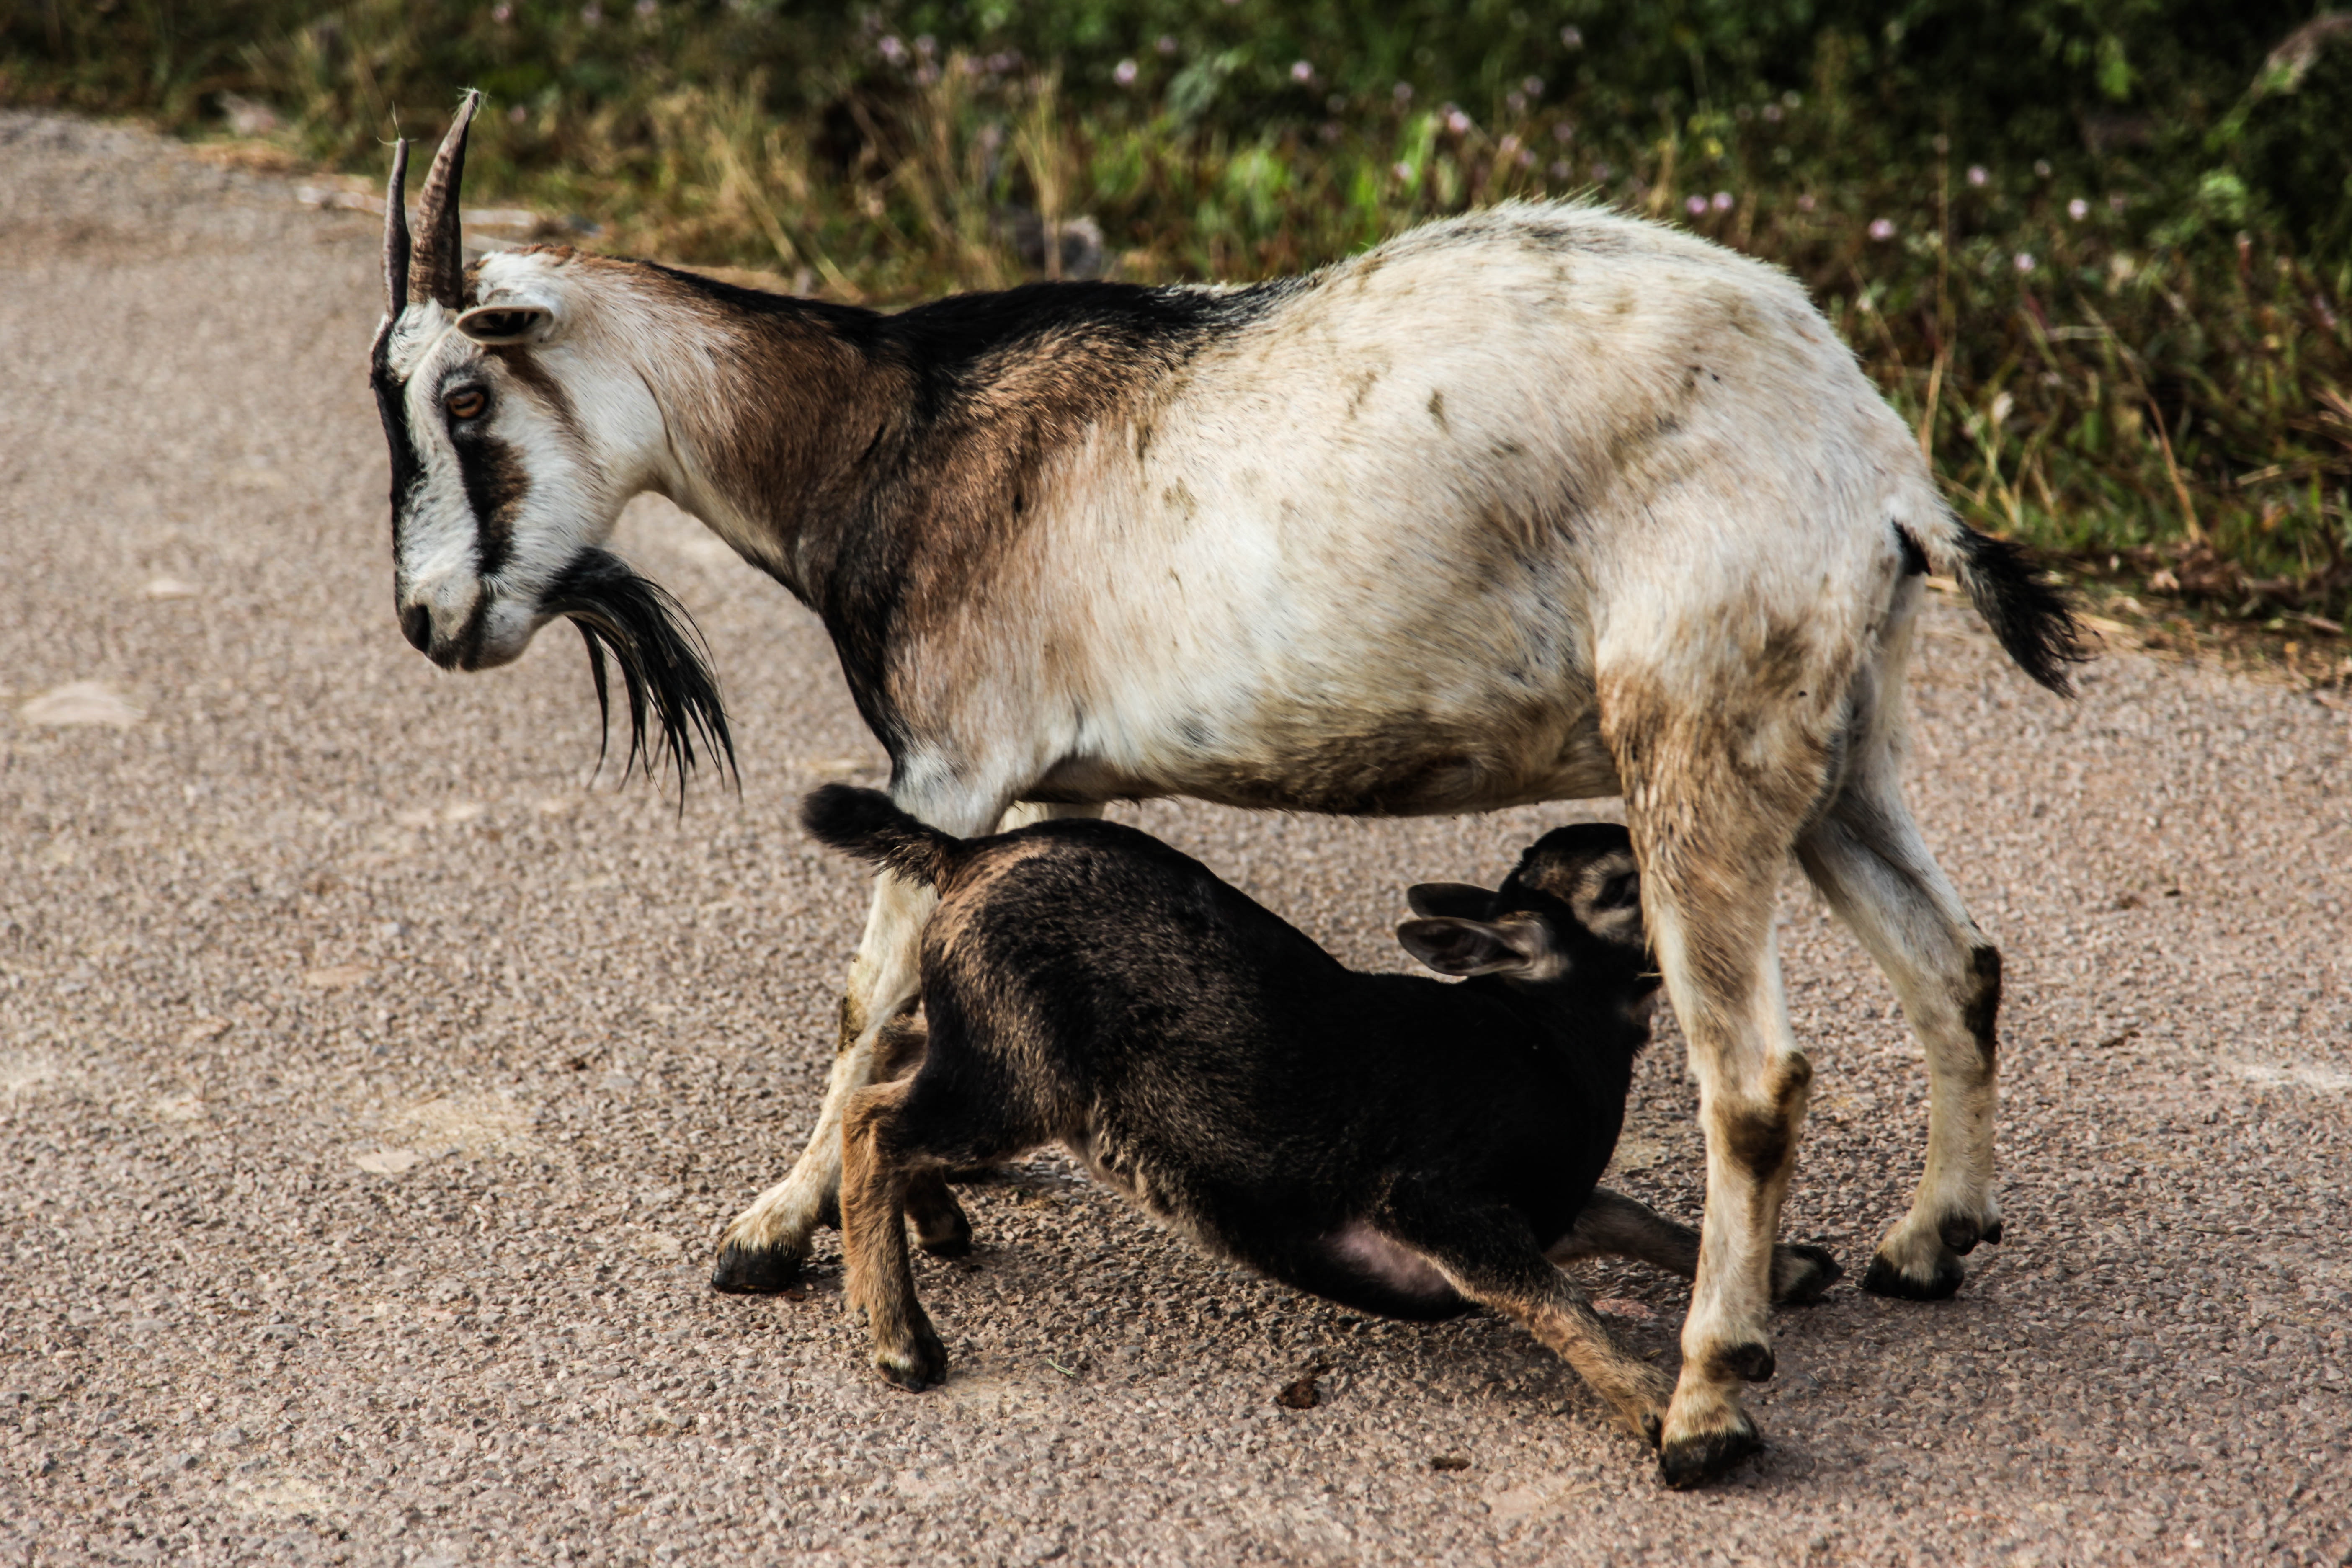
{"points": [[1703, 1457], [1805, 1273], [755, 1270], [920, 1363], [1891, 1280]]}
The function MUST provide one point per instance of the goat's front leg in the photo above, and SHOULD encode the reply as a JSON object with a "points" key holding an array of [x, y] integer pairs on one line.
{"points": [[762, 1249], [1489, 1256], [1614, 1226], [881, 1283]]}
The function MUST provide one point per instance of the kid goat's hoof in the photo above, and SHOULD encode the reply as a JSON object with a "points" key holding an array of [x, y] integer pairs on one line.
{"points": [[1703, 1457], [755, 1271], [917, 1366], [1804, 1273]]}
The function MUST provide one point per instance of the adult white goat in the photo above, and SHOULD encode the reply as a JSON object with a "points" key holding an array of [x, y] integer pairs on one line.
{"points": [[1537, 503]]}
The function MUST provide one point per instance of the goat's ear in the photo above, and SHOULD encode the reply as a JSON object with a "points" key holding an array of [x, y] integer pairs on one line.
{"points": [[1456, 898], [1607, 899], [1517, 950], [508, 322]]}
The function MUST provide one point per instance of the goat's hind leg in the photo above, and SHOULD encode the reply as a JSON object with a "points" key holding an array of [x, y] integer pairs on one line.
{"points": [[1868, 857], [1717, 790], [1614, 1226]]}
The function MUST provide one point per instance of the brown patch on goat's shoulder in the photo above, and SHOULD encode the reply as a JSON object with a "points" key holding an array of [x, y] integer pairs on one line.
{"points": [[1003, 456]]}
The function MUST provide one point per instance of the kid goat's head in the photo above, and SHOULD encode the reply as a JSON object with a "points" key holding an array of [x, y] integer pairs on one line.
{"points": [[1572, 908], [518, 432]]}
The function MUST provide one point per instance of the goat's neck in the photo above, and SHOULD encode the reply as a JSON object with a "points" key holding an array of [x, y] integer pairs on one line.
{"points": [[766, 416]]}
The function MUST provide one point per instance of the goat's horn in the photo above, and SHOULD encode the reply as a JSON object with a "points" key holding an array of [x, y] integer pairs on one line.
{"points": [[440, 270], [395, 231]]}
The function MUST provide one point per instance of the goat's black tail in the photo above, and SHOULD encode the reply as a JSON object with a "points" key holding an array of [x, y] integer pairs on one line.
{"points": [[2033, 618], [868, 824]]}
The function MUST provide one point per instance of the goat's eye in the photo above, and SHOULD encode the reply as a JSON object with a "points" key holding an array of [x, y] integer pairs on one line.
{"points": [[466, 402], [1619, 892]]}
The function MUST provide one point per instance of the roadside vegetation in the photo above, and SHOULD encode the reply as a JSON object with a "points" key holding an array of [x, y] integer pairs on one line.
{"points": [[2100, 256]]}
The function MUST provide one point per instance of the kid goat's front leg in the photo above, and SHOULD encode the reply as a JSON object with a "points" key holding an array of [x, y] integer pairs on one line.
{"points": [[1487, 1254], [1714, 806]]}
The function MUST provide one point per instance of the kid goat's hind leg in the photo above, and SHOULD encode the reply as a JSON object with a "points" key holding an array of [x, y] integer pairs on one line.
{"points": [[881, 1280], [1869, 861], [763, 1246], [1717, 785], [895, 1136]]}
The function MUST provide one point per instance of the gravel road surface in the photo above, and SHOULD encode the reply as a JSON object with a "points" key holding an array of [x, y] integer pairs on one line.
{"points": [[372, 1083]]}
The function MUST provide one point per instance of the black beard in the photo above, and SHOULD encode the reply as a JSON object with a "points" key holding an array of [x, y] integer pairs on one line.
{"points": [[665, 664]]}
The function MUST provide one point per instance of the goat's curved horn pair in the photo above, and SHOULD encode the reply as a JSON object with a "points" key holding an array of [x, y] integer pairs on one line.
{"points": [[433, 268]]}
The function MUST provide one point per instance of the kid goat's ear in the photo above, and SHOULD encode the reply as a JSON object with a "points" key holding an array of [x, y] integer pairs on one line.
{"points": [[507, 323], [1459, 900], [1517, 950]]}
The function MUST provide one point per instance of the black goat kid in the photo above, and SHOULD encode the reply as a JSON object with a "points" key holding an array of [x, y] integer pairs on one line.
{"points": [[1389, 1143]]}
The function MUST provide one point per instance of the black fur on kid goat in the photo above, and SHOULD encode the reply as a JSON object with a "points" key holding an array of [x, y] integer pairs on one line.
{"points": [[1391, 1143]]}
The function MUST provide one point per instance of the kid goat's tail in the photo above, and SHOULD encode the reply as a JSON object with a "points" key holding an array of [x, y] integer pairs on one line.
{"points": [[866, 823], [2034, 619]]}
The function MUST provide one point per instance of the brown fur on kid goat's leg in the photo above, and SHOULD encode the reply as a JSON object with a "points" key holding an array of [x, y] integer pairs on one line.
{"points": [[881, 1283], [1490, 1259]]}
